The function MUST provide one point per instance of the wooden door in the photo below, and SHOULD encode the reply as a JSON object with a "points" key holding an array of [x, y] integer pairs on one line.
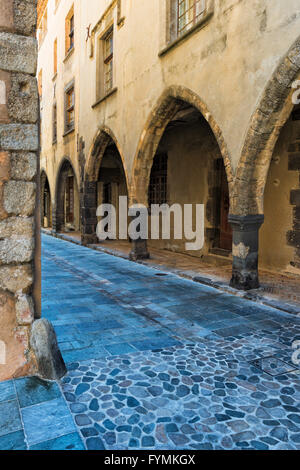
{"points": [[70, 200], [225, 227]]}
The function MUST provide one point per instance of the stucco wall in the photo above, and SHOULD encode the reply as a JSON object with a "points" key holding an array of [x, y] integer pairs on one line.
{"points": [[226, 63]]}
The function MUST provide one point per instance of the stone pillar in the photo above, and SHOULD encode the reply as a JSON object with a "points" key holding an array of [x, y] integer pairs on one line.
{"points": [[18, 178], [88, 208], [245, 251], [139, 250], [19, 153]]}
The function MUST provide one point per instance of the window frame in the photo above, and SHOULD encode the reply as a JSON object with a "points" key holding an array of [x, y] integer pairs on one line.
{"points": [[172, 36], [70, 32], [54, 123], [158, 183], [55, 58], [190, 23], [69, 125], [108, 61]]}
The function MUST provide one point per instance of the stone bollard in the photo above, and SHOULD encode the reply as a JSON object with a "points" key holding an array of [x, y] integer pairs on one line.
{"points": [[43, 341]]}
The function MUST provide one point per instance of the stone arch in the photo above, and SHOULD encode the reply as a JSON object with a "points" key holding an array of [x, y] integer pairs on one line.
{"points": [[167, 106], [60, 188], [100, 142], [274, 108], [46, 200], [89, 191]]}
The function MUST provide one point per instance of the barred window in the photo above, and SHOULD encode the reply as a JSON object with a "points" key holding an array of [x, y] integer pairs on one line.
{"points": [[189, 13], [70, 200], [158, 180]]}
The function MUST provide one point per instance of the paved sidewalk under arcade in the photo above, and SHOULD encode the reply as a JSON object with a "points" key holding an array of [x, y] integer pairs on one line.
{"points": [[154, 362]]}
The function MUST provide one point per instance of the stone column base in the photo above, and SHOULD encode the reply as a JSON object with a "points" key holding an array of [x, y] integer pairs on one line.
{"points": [[89, 239], [139, 250], [245, 251]]}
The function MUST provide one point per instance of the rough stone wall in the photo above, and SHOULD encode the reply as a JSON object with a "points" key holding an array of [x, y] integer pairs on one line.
{"points": [[18, 170]]}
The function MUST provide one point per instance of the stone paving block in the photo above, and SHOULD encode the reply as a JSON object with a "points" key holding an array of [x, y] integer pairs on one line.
{"points": [[13, 441], [68, 442], [33, 390], [117, 349], [47, 421], [9, 417], [7, 391]]}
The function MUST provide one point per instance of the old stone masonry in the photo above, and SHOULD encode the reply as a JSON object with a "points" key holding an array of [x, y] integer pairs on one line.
{"points": [[18, 171]]}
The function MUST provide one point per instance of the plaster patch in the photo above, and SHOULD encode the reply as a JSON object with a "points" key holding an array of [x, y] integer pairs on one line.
{"points": [[2, 92], [240, 251]]}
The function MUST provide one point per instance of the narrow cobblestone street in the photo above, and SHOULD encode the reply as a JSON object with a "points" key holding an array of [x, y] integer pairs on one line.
{"points": [[154, 362]]}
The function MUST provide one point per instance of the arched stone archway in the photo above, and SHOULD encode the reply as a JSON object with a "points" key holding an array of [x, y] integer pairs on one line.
{"points": [[272, 113], [179, 105], [46, 206], [247, 202], [166, 108], [103, 143], [66, 210]]}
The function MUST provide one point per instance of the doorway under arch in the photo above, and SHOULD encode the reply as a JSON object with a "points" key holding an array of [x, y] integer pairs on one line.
{"points": [[67, 213], [46, 205]]}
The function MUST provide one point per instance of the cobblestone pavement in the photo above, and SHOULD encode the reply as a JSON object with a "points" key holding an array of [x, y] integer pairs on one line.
{"points": [[154, 362]]}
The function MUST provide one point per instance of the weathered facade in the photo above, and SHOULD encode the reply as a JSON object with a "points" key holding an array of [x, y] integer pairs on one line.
{"points": [[178, 102]]}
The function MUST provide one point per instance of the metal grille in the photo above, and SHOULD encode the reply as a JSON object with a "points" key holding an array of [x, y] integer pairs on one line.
{"points": [[158, 180], [189, 13]]}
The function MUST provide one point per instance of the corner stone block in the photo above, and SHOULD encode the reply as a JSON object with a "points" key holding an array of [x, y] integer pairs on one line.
{"points": [[4, 166], [25, 16], [18, 53], [19, 137], [15, 340], [16, 279], [19, 198], [44, 344], [22, 100], [16, 250], [23, 166], [6, 15], [24, 310], [5, 84]]}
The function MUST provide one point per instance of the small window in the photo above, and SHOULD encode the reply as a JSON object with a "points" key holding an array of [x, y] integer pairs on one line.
{"points": [[70, 108], [158, 180], [189, 13], [70, 31], [108, 62], [43, 27], [54, 137], [55, 57]]}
